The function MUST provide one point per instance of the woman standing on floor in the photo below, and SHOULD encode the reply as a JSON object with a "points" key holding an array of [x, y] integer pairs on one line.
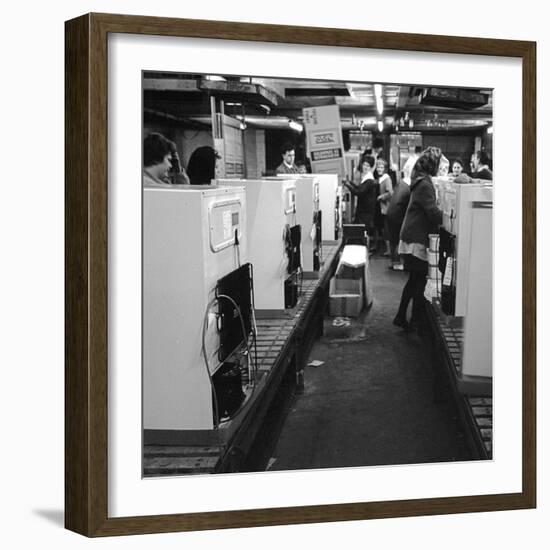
{"points": [[366, 193], [384, 196], [422, 218], [394, 220]]}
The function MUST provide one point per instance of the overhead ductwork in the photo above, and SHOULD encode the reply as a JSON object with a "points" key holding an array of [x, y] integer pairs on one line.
{"points": [[453, 98], [224, 89]]}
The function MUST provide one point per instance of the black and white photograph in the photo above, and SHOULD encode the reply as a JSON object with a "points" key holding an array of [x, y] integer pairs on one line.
{"points": [[317, 274], [259, 290]]}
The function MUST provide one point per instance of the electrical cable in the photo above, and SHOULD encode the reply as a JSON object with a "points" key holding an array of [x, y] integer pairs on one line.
{"points": [[297, 274], [245, 336], [254, 319], [217, 419], [238, 250], [203, 349], [438, 285]]}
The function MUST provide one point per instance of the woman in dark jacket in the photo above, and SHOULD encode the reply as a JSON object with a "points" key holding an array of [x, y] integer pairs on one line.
{"points": [[422, 218], [367, 193], [394, 220]]}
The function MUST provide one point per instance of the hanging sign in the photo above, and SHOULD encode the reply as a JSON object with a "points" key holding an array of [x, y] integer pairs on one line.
{"points": [[325, 145]]}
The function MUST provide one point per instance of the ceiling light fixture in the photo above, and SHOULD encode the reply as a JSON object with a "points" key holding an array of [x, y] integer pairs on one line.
{"points": [[378, 90], [380, 125], [379, 105], [296, 126]]}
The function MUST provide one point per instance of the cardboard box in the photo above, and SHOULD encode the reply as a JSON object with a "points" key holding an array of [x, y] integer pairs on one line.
{"points": [[345, 305], [345, 271], [345, 297], [352, 278], [347, 286]]}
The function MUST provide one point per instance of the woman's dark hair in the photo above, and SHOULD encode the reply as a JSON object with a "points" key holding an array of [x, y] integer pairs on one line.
{"points": [[155, 148], [365, 158], [201, 168], [366, 153], [458, 161], [427, 163]]}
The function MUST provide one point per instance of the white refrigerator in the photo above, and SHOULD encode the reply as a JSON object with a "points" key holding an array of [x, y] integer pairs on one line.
{"points": [[188, 244], [456, 201], [270, 212]]}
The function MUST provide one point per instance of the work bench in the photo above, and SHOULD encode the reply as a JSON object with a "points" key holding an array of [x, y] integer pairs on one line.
{"points": [[283, 344]]}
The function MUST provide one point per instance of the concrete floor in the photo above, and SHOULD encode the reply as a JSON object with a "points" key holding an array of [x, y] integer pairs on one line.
{"points": [[371, 401]]}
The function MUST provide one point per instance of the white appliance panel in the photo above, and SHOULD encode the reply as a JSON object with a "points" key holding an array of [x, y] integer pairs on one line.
{"points": [[186, 249], [478, 325], [269, 209], [307, 204], [456, 202]]}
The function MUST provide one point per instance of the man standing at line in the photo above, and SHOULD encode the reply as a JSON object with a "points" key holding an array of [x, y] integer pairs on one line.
{"points": [[287, 166]]}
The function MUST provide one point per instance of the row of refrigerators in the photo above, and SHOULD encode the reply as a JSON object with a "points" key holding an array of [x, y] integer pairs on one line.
{"points": [[461, 274], [215, 257]]}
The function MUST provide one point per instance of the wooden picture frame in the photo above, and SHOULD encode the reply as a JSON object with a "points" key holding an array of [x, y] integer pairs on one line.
{"points": [[86, 283]]}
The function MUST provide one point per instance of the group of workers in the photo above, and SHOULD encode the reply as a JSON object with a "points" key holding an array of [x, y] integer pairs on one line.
{"points": [[409, 212], [382, 201], [401, 215], [161, 163]]}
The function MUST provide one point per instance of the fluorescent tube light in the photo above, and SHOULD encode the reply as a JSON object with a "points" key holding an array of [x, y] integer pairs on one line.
{"points": [[296, 126]]}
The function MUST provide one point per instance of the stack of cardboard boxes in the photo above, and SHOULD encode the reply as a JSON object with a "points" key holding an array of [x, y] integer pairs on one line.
{"points": [[350, 288]]}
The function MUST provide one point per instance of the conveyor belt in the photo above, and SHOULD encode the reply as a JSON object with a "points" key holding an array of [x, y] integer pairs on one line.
{"points": [[282, 344], [170, 460], [476, 411]]}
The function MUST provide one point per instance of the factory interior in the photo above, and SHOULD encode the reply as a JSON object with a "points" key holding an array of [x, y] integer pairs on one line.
{"points": [[290, 321]]}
